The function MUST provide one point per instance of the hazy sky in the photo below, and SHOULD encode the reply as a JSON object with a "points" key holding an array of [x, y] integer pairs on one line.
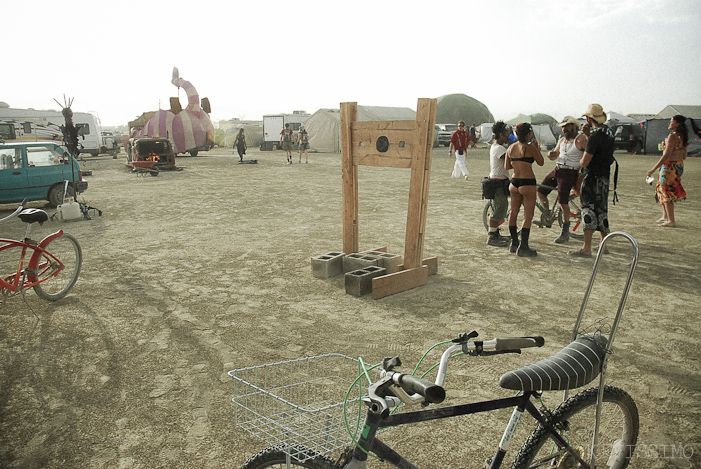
{"points": [[261, 57]]}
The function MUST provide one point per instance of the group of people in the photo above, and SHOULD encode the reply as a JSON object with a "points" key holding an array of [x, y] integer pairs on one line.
{"points": [[583, 159], [288, 140]]}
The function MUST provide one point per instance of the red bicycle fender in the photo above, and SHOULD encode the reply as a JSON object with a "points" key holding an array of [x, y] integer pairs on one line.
{"points": [[35, 256]]}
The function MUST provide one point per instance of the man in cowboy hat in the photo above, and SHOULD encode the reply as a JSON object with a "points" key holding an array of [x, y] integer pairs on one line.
{"points": [[568, 152], [596, 167]]}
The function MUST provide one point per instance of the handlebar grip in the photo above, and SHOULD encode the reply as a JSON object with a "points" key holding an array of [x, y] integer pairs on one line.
{"points": [[516, 343], [431, 391]]}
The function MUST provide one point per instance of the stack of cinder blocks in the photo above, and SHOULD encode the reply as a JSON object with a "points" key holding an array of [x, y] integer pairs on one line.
{"points": [[359, 268]]}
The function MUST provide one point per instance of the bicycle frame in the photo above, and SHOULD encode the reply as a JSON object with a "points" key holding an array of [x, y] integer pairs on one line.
{"points": [[369, 442], [34, 267]]}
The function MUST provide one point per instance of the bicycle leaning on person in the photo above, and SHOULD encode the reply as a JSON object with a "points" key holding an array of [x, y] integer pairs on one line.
{"points": [[568, 152]]}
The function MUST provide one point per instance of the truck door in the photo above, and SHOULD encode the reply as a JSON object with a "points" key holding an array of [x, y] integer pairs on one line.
{"points": [[13, 175], [272, 126]]}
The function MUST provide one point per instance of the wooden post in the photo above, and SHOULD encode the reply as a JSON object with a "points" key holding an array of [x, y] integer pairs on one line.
{"points": [[349, 114]]}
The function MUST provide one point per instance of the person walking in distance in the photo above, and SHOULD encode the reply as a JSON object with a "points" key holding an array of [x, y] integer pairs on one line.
{"points": [[303, 139], [287, 139], [568, 152], [669, 188], [520, 157], [458, 146], [240, 144], [499, 176], [596, 168]]}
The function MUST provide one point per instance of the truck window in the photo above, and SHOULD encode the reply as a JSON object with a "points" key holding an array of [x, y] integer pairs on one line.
{"points": [[83, 129], [10, 158], [27, 127], [7, 131], [295, 126]]}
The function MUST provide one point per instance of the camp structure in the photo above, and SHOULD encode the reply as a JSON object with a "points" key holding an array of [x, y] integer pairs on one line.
{"points": [[452, 108], [533, 119], [656, 129], [324, 126], [189, 129]]}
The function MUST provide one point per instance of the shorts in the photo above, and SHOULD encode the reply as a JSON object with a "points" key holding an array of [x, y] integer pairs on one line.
{"points": [[564, 179], [500, 204], [594, 198], [303, 146], [520, 182], [287, 146]]}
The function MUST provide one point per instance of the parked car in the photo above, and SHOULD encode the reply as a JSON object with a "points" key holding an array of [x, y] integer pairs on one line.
{"points": [[629, 137], [445, 133], [38, 171]]}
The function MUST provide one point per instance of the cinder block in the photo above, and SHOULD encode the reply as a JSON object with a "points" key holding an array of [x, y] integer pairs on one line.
{"points": [[359, 282], [357, 261], [391, 262], [327, 265]]}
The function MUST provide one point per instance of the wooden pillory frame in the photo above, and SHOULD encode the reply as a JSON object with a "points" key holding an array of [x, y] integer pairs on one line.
{"points": [[395, 144]]}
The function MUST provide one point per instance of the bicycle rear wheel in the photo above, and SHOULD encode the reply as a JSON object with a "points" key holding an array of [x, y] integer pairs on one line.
{"points": [[276, 457], [58, 277], [618, 432]]}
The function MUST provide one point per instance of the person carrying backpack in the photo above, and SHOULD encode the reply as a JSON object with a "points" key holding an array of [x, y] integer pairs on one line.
{"points": [[303, 144], [287, 139], [596, 168]]}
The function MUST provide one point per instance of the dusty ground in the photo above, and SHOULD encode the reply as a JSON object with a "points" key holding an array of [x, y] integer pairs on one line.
{"points": [[194, 273]]}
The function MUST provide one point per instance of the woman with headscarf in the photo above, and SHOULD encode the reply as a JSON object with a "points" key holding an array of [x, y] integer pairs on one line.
{"points": [[669, 188]]}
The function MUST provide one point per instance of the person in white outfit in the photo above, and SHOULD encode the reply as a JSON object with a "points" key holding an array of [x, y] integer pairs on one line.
{"points": [[458, 146]]}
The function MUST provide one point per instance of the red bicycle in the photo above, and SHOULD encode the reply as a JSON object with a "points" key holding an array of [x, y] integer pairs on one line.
{"points": [[53, 263]]}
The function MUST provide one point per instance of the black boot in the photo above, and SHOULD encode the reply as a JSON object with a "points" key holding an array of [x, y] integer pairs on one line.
{"points": [[523, 249], [565, 235], [514, 238], [496, 240]]}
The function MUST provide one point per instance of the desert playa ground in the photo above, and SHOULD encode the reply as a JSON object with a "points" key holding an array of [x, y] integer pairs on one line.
{"points": [[197, 272]]}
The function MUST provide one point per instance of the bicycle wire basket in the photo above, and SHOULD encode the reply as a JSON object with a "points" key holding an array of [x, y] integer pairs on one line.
{"points": [[297, 404]]}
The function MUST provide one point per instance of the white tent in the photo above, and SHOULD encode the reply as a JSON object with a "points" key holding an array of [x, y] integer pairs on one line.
{"points": [[485, 131], [615, 118], [324, 126], [544, 134]]}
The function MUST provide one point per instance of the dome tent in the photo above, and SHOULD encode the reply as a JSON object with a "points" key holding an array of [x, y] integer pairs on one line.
{"points": [[451, 108], [532, 119]]}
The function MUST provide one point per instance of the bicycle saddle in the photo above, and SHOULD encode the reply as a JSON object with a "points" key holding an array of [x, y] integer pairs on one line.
{"points": [[572, 367], [31, 215]]}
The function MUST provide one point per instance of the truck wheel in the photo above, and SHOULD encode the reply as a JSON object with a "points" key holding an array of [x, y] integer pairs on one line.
{"points": [[193, 153]]}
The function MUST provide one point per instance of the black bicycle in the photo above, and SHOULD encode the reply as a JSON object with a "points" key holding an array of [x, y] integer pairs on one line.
{"points": [[548, 217], [300, 406]]}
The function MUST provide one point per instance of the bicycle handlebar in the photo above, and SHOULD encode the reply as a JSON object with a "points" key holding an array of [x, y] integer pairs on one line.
{"points": [[411, 384], [15, 213], [501, 345]]}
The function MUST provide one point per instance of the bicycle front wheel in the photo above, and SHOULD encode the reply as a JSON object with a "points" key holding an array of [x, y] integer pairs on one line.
{"points": [[576, 224], [487, 214], [276, 457], [58, 277], [618, 432]]}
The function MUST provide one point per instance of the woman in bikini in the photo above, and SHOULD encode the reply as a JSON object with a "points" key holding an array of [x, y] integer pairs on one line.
{"points": [[669, 188], [520, 157]]}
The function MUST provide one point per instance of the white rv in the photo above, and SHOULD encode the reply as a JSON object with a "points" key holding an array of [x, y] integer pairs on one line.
{"points": [[30, 125], [273, 125]]}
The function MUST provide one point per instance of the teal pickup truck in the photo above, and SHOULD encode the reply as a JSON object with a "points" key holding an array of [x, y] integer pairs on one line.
{"points": [[38, 171]]}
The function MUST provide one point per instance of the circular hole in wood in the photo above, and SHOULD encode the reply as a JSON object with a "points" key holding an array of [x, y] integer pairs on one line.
{"points": [[382, 144]]}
